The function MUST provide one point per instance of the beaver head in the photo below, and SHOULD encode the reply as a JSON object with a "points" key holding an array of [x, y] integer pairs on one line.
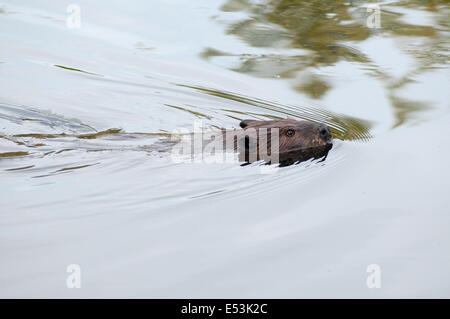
{"points": [[298, 140]]}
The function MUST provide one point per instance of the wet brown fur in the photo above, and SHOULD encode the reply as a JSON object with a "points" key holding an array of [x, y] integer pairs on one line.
{"points": [[309, 140]]}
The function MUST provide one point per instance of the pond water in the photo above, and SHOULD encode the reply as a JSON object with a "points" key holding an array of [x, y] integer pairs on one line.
{"points": [[90, 91]]}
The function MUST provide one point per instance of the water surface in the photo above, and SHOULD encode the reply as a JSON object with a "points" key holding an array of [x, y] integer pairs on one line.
{"points": [[87, 178]]}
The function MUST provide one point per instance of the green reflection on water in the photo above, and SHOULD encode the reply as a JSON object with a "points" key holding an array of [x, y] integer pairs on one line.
{"points": [[13, 154], [341, 126], [324, 29], [314, 87], [197, 114], [76, 70], [407, 110]]}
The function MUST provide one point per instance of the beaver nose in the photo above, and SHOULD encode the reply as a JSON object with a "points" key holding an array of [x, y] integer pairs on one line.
{"points": [[325, 132]]}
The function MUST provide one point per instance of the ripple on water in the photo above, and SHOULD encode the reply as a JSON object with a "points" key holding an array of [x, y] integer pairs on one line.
{"points": [[67, 146], [134, 166]]}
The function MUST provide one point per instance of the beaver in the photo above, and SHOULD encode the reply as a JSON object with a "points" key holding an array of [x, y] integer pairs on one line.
{"points": [[284, 142], [297, 141]]}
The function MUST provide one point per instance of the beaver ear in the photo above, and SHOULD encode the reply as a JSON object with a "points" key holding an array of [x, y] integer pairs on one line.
{"points": [[244, 123]]}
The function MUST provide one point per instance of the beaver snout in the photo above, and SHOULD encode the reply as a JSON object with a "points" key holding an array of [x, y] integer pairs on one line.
{"points": [[325, 133]]}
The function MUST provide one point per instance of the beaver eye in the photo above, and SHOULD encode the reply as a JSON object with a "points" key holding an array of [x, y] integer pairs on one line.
{"points": [[290, 132]]}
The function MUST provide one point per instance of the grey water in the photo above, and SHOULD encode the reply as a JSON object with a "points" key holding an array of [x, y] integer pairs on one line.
{"points": [[90, 90]]}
